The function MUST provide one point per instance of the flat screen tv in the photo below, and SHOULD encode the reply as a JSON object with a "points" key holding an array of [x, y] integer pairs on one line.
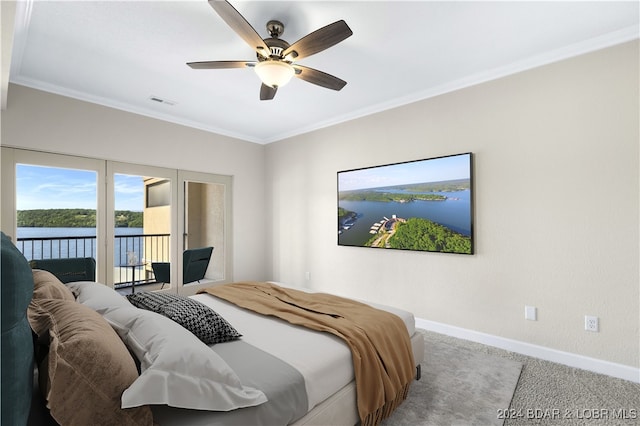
{"points": [[423, 205]]}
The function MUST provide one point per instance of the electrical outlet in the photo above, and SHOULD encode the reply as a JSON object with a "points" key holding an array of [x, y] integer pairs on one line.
{"points": [[307, 276], [591, 323]]}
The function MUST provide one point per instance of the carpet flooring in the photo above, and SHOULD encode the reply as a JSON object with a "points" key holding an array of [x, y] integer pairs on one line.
{"points": [[545, 393], [459, 386]]}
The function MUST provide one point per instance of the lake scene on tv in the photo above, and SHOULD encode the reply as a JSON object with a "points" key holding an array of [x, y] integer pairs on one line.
{"points": [[423, 205]]}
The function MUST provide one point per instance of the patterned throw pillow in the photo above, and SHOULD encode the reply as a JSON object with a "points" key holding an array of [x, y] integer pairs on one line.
{"points": [[196, 317]]}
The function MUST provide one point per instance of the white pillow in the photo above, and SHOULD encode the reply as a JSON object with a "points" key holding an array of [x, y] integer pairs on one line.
{"points": [[177, 368], [97, 296]]}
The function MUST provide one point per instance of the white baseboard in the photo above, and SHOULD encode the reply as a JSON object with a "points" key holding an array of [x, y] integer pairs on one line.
{"points": [[572, 360]]}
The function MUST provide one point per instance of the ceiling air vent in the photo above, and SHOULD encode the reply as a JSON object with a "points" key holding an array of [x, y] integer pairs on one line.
{"points": [[161, 101]]}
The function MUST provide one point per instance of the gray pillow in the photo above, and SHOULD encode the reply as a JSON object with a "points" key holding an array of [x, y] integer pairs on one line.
{"points": [[196, 317]]}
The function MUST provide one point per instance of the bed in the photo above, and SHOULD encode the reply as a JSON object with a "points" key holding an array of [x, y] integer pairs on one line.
{"points": [[275, 373]]}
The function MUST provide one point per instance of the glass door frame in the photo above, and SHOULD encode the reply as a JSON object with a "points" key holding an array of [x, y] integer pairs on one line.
{"points": [[171, 175], [11, 157], [227, 250]]}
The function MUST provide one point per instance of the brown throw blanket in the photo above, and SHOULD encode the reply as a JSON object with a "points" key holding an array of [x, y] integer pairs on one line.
{"points": [[379, 342]]}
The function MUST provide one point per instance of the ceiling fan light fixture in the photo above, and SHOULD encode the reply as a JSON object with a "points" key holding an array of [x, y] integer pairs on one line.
{"points": [[274, 73]]}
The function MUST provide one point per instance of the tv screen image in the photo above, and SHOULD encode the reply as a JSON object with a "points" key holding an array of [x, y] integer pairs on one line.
{"points": [[423, 205]]}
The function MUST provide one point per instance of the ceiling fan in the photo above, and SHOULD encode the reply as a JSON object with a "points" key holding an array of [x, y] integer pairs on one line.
{"points": [[276, 58]]}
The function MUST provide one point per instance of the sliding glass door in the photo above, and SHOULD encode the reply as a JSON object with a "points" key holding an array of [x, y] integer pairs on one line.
{"points": [[143, 200], [148, 228]]}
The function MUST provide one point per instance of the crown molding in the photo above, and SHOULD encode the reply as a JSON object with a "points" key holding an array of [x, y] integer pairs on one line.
{"points": [[23, 17], [602, 42]]}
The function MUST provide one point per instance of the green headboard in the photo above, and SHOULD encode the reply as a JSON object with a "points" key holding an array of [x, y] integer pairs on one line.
{"points": [[17, 342]]}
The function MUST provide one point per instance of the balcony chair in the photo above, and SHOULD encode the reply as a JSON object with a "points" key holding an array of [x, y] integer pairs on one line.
{"points": [[194, 266], [69, 269]]}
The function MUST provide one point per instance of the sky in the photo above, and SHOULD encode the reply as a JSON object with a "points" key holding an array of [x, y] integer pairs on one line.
{"points": [[57, 188], [41, 187], [429, 170]]}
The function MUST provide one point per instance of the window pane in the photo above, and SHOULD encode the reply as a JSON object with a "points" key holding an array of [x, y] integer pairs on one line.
{"points": [[143, 228], [56, 212], [205, 224]]}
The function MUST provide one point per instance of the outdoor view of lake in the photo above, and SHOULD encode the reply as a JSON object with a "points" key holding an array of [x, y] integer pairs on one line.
{"points": [[85, 248], [454, 213]]}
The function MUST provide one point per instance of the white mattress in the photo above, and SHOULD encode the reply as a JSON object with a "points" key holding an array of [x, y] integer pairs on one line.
{"points": [[323, 359]]}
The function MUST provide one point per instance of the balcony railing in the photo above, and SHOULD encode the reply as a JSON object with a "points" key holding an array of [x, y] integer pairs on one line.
{"points": [[147, 247]]}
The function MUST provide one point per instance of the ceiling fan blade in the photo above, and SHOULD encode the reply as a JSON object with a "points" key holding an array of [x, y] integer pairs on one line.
{"points": [[215, 65], [318, 77], [267, 92], [319, 40], [236, 21]]}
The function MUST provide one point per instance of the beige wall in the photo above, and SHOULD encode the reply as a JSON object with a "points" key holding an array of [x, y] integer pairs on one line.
{"points": [[557, 193], [47, 122], [556, 223]]}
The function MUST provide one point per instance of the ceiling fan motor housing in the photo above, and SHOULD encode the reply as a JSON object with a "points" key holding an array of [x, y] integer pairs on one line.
{"points": [[275, 44], [276, 47]]}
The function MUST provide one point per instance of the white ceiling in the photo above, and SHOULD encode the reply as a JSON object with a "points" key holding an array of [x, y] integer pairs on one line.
{"points": [[120, 53]]}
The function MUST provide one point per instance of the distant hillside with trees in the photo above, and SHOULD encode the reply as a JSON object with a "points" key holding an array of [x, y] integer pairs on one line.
{"points": [[74, 218], [423, 234]]}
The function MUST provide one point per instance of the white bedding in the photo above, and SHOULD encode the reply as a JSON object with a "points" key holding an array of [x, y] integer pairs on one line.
{"points": [[323, 359]]}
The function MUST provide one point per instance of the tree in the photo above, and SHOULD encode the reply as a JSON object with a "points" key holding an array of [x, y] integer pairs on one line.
{"points": [[74, 218], [423, 234]]}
